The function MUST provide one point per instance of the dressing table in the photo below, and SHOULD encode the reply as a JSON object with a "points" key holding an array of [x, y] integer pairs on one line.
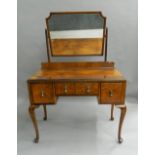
{"points": [[76, 34]]}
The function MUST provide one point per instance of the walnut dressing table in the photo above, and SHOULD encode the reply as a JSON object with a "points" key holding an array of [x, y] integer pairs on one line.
{"points": [[76, 34]]}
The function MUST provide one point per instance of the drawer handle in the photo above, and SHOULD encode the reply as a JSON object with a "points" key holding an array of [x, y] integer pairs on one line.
{"points": [[65, 89], [42, 93], [88, 89], [110, 93]]}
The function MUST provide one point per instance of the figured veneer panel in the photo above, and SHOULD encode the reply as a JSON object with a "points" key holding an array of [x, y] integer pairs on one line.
{"points": [[64, 88], [68, 47], [113, 92], [78, 65], [79, 74], [42, 93], [87, 88], [77, 88]]}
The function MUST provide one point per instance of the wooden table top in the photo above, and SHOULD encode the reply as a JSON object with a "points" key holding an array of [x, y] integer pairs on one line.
{"points": [[78, 74]]}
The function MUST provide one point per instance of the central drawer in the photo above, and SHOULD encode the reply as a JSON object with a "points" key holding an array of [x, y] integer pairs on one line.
{"points": [[76, 88]]}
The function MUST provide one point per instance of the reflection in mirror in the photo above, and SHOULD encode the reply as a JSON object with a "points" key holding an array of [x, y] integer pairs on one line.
{"points": [[76, 33]]}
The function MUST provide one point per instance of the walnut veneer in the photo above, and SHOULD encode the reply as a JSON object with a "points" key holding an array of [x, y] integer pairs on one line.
{"points": [[56, 79], [99, 79]]}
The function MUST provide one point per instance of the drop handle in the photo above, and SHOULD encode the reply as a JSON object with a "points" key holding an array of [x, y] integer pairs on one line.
{"points": [[42, 93], [110, 93], [65, 89], [88, 89]]}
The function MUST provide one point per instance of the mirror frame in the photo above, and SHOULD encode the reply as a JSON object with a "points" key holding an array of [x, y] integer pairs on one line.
{"points": [[48, 36]]}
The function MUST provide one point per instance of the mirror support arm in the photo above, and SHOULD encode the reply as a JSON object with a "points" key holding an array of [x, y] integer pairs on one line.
{"points": [[106, 44], [47, 46]]}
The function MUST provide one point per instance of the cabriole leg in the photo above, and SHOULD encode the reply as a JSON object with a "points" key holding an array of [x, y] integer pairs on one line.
{"points": [[112, 112], [123, 110], [45, 112], [33, 118]]}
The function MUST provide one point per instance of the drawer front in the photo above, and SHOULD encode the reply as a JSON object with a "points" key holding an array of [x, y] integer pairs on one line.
{"points": [[65, 88], [87, 88], [76, 88], [42, 93], [112, 93]]}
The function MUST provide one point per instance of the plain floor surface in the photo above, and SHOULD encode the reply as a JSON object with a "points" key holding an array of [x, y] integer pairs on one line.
{"points": [[77, 126]]}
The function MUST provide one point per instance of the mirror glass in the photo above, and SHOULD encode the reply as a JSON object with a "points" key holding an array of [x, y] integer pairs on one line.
{"points": [[76, 33]]}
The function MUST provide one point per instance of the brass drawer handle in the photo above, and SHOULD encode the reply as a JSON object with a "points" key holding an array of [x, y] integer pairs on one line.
{"points": [[65, 89], [42, 93], [110, 93], [88, 89]]}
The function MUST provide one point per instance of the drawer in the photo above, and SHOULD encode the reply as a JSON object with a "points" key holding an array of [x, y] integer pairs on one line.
{"points": [[76, 88], [113, 92], [87, 88], [65, 88], [42, 93]]}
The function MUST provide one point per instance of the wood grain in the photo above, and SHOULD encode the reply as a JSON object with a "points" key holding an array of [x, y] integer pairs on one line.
{"points": [[65, 88], [42, 93], [67, 47], [87, 88], [113, 92], [77, 74], [78, 65]]}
